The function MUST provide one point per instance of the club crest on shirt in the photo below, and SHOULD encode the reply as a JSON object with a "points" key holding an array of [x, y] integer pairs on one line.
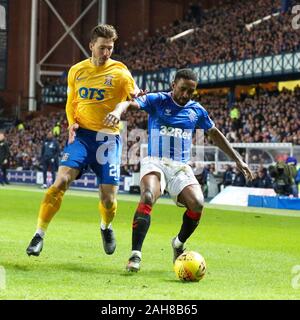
{"points": [[108, 80], [192, 115]]}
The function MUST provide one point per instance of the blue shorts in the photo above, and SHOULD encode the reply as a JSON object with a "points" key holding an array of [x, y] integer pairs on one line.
{"points": [[100, 151]]}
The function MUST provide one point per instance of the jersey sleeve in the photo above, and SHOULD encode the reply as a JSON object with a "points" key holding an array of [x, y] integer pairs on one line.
{"points": [[204, 121], [129, 84], [148, 102], [70, 98]]}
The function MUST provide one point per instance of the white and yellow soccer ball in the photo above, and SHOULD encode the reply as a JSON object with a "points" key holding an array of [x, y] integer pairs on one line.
{"points": [[190, 266]]}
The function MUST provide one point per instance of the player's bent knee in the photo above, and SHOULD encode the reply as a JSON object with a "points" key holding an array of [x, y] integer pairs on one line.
{"points": [[147, 197], [196, 205], [108, 199], [108, 202], [63, 181]]}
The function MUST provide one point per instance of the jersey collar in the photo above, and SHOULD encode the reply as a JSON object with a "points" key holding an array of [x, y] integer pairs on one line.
{"points": [[178, 105]]}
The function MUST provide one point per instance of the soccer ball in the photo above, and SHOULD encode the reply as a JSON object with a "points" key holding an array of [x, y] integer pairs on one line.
{"points": [[190, 266]]}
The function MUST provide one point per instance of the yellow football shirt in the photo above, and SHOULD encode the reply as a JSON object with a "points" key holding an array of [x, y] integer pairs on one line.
{"points": [[94, 91]]}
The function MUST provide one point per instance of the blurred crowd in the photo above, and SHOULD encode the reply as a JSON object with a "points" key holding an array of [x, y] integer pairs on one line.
{"points": [[221, 36], [26, 138], [283, 177], [266, 116]]}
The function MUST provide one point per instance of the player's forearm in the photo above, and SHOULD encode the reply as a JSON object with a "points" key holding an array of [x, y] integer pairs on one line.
{"points": [[220, 140], [70, 113], [123, 106], [70, 98]]}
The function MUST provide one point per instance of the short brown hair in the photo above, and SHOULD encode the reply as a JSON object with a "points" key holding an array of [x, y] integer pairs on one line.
{"points": [[104, 31]]}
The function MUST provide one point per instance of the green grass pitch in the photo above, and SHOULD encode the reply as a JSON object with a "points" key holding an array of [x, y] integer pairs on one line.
{"points": [[249, 255]]}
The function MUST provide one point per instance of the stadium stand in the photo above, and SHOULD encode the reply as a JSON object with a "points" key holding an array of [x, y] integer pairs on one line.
{"points": [[264, 116], [221, 37]]}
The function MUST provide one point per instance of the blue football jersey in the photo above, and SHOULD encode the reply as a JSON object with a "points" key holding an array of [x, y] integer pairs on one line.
{"points": [[171, 126]]}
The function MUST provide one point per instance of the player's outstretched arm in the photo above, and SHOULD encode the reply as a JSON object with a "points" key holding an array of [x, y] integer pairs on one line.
{"points": [[113, 118], [220, 140]]}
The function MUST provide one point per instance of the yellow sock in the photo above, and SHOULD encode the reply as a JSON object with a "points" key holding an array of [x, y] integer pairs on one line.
{"points": [[49, 206], [107, 215]]}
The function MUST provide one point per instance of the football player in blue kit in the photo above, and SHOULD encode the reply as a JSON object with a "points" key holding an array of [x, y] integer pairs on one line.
{"points": [[173, 117]]}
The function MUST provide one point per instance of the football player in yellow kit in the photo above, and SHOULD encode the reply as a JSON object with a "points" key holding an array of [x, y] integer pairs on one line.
{"points": [[95, 86]]}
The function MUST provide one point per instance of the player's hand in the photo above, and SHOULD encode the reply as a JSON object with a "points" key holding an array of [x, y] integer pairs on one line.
{"points": [[138, 94], [72, 132], [243, 167], [112, 119], [5, 161]]}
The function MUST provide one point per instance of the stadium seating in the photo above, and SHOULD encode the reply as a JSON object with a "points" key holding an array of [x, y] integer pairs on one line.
{"points": [[264, 117], [222, 37]]}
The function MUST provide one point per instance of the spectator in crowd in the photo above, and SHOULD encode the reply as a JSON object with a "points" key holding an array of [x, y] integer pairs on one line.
{"points": [[235, 118], [194, 13], [264, 180], [227, 41], [49, 157], [227, 177], [4, 159], [20, 126], [270, 117], [56, 129], [283, 181], [297, 181], [27, 163], [28, 142], [291, 163], [239, 179], [254, 182], [203, 179]]}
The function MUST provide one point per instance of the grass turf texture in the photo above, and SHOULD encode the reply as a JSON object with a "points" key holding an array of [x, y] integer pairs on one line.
{"points": [[248, 255]]}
